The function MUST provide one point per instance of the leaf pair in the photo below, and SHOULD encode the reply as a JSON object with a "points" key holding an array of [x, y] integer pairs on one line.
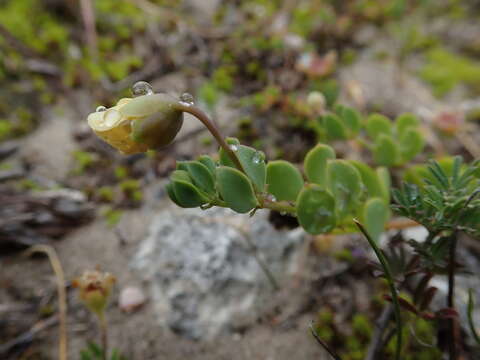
{"points": [[343, 124], [395, 144]]}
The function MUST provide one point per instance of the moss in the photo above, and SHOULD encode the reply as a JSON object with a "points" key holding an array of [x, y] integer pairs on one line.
{"points": [[112, 216], [106, 193], [121, 172], [223, 78], [445, 70], [83, 160], [362, 326], [209, 94]]}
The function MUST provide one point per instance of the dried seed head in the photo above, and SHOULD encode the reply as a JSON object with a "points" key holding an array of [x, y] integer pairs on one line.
{"points": [[94, 288]]}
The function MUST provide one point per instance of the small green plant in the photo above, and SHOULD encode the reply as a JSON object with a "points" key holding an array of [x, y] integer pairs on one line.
{"points": [[326, 195]]}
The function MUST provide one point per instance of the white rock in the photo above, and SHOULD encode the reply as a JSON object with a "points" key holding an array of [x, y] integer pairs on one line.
{"points": [[131, 298], [204, 279]]}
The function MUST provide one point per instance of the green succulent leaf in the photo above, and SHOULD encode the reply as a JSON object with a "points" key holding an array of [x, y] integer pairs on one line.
{"points": [[375, 213], [411, 144], [186, 194], [316, 210], [345, 183], [181, 175], [252, 160], [315, 164], [334, 127], [369, 178], [200, 175], [171, 194], [351, 119], [386, 152], [224, 158], [236, 189], [406, 121], [377, 125], [208, 162], [385, 182], [284, 180]]}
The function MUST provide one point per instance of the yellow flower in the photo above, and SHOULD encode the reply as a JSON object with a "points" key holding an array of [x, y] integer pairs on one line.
{"points": [[138, 124], [94, 289]]}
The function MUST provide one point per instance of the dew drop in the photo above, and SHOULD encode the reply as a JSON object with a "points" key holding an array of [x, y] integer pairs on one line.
{"points": [[187, 99], [100, 108], [258, 157], [142, 88], [234, 147], [271, 198]]}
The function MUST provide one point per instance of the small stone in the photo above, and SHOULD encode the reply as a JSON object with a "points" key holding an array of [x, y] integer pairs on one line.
{"points": [[131, 299]]}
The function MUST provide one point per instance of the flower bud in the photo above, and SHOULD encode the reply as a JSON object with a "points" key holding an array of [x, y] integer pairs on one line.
{"points": [[94, 289], [138, 124], [316, 101]]}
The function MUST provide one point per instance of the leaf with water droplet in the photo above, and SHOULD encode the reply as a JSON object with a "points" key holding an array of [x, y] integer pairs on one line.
{"points": [[345, 183], [235, 189], [315, 164], [223, 156], [284, 180], [375, 214], [252, 160], [200, 175], [316, 210]]}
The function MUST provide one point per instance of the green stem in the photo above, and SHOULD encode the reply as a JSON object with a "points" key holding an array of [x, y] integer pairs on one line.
{"points": [[470, 308], [102, 323], [200, 115], [391, 284], [452, 345]]}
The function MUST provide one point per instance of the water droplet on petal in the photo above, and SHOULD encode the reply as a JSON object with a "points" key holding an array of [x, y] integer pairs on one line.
{"points": [[187, 99], [100, 108], [111, 117], [234, 147], [271, 198], [142, 88]]}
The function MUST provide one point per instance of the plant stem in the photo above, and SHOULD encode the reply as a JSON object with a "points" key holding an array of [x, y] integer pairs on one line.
{"points": [[102, 323], [391, 284], [323, 344], [452, 346], [200, 115], [62, 294], [471, 306], [381, 325]]}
